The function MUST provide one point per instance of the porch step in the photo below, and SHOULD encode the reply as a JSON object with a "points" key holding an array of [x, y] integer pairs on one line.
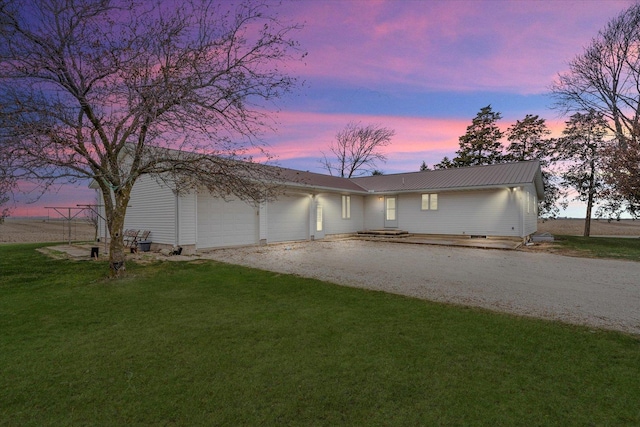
{"points": [[387, 232]]}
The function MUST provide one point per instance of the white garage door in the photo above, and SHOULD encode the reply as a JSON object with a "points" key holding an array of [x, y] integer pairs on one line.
{"points": [[225, 223], [288, 219]]}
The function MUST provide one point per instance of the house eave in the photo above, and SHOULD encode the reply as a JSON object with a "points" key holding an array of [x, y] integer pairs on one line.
{"points": [[449, 189], [323, 189]]}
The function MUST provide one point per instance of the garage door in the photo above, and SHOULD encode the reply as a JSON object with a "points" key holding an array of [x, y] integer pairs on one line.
{"points": [[288, 219], [225, 223]]}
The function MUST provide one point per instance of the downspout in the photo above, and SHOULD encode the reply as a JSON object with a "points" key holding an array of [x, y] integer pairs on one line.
{"points": [[195, 214], [522, 208], [177, 232], [313, 211]]}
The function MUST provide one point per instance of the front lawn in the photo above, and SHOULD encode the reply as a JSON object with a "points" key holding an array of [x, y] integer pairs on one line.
{"points": [[205, 343]]}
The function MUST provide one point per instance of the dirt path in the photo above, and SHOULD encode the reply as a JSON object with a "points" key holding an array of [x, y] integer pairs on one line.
{"points": [[594, 292]]}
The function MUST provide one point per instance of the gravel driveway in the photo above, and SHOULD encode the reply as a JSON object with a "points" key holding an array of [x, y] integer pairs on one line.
{"points": [[594, 292]]}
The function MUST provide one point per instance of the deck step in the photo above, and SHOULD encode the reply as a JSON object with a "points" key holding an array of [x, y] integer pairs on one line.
{"points": [[384, 233]]}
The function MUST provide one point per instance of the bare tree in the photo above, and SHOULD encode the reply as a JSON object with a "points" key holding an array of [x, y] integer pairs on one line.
{"points": [[621, 175], [112, 90], [605, 79], [357, 149]]}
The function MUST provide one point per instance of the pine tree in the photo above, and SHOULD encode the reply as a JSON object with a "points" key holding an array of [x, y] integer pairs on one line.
{"points": [[481, 144]]}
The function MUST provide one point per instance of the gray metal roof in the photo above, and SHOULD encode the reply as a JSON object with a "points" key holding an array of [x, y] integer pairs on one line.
{"points": [[465, 178], [318, 181], [498, 175]]}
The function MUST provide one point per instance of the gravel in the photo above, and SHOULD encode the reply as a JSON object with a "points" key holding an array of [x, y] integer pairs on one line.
{"points": [[594, 292]]}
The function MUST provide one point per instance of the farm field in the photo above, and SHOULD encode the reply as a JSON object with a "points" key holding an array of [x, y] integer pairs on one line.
{"points": [[575, 227], [39, 230]]}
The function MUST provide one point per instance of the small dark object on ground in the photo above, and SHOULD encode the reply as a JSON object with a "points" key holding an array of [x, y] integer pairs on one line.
{"points": [[145, 245]]}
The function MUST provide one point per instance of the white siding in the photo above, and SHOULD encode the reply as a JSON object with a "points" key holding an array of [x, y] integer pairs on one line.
{"points": [[225, 223], [490, 213], [187, 219], [332, 214], [373, 212], [288, 218], [153, 207], [530, 215], [263, 221]]}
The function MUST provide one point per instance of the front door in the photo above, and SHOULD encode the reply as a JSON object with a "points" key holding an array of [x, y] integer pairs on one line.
{"points": [[390, 212]]}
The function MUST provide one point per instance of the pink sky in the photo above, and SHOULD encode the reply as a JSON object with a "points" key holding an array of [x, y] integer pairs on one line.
{"points": [[422, 68]]}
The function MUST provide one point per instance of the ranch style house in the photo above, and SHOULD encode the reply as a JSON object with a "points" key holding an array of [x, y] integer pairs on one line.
{"points": [[493, 200]]}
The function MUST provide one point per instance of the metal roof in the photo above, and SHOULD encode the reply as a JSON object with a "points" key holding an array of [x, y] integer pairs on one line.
{"points": [[318, 181], [472, 177]]}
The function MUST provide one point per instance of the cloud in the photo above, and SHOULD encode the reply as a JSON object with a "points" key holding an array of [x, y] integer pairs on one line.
{"points": [[423, 68], [463, 45]]}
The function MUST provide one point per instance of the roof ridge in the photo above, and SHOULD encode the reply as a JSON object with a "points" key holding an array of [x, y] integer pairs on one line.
{"points": [[443, 169]]}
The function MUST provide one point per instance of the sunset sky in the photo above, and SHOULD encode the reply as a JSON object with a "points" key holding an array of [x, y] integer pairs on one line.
{"points": [[422, 68]]}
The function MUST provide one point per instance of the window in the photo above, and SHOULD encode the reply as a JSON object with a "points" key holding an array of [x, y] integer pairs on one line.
{"points": [[346, 207], [430, 202]]}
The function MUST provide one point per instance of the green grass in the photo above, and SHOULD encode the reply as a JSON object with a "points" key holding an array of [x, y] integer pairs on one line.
{"points": [[601, 247], [204, 343]]}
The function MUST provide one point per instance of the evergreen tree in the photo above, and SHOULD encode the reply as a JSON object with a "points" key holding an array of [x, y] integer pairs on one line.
{"points": [[446, 163], [528, 140], [481, 145]]}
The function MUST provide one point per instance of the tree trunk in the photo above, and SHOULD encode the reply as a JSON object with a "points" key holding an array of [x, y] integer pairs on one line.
{"points": [[587, 220], [116, 246], [115, 213]]}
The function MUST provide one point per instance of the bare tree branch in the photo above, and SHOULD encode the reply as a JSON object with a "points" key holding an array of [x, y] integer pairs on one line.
{"points": [[605, 79], [356, 149]]}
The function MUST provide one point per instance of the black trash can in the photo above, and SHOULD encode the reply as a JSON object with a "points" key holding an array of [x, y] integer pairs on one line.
{"points": [[144, 246]]}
